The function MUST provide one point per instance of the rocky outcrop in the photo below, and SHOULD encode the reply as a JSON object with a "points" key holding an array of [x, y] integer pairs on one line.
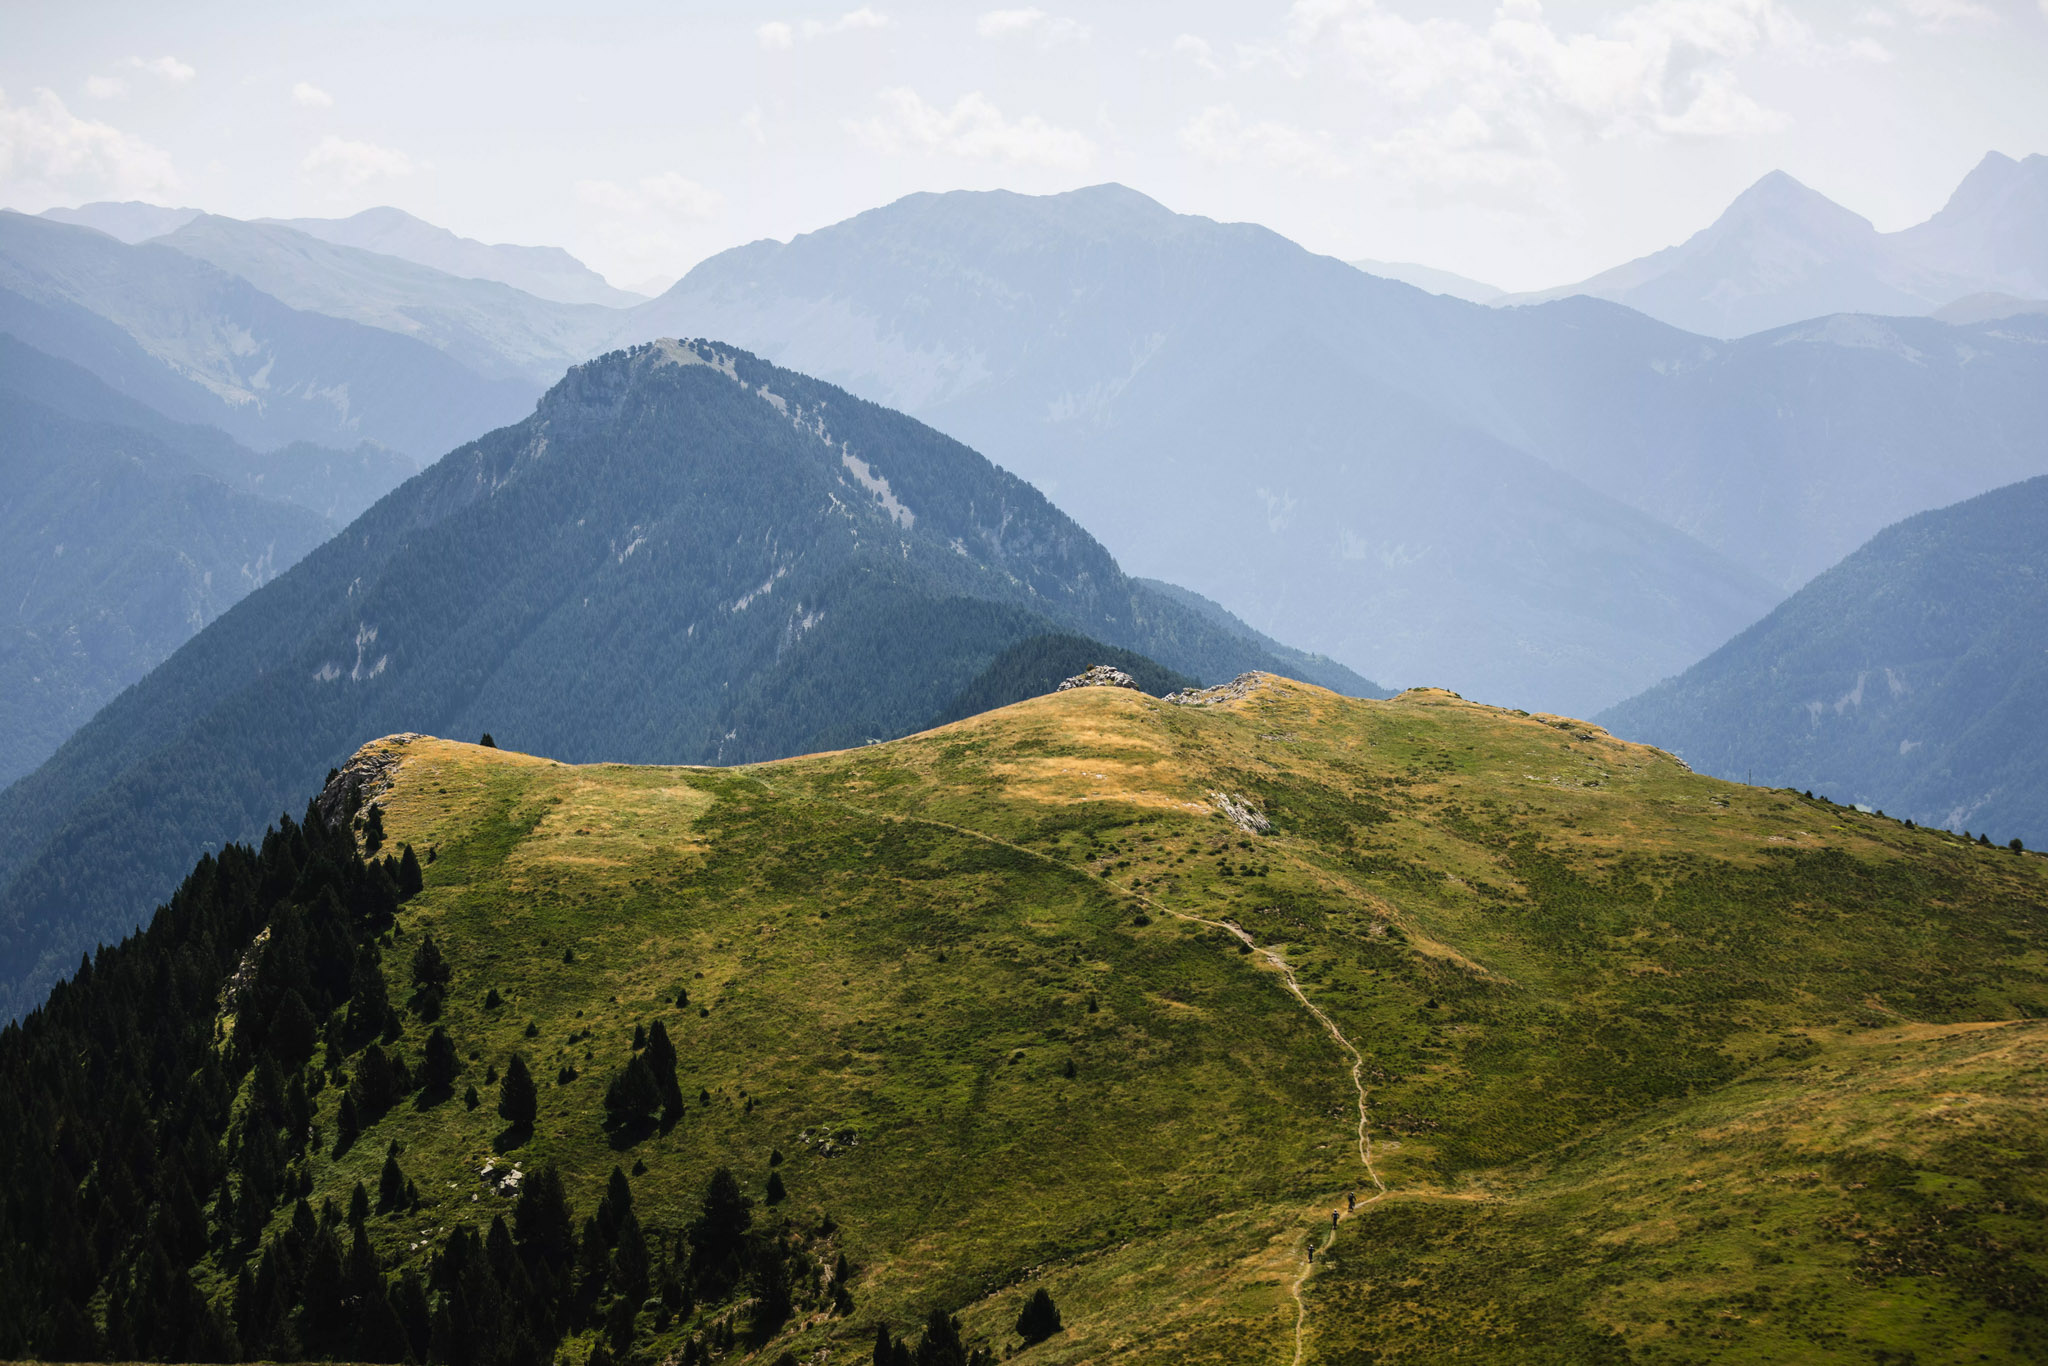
{"points": [[363, 779], [1240, 686], [1101, 676], [1240, 812]]}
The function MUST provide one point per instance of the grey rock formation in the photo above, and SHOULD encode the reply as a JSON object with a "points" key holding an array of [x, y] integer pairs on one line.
{"points": [[1101, 676], [1240, 686]]}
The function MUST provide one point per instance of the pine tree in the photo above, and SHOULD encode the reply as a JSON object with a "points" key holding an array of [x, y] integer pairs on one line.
{"points": [[614, 1205], [775, 1192], [718, 1234], [941, 1345], [544, 1227], [487, 742], [429, 967], [661, 1064], [348, 1125], [358, 1204], [618, 1324], [411, 882], [1039, 1319], [630, 1267], [518, 1102], [770, 1284], [438, 1066], [633, 1097], [373, 829], [390, 1183], [292, 1033], [593, 1264]]}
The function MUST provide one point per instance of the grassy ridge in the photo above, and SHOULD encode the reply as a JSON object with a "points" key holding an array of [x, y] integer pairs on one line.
{"points": [[1603, 1003]]}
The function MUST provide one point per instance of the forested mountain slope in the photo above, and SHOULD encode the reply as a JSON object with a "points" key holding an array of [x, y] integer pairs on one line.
{"points": [[1910, 677], [1277, 1027], [685, 554], [117, 543]]}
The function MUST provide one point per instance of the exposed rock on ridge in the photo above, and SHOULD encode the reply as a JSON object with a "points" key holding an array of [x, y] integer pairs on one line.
{"points": [[1101, 676]]}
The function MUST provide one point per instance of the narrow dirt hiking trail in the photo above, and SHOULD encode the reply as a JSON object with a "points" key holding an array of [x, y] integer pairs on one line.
{"points": [[1273, 959]]}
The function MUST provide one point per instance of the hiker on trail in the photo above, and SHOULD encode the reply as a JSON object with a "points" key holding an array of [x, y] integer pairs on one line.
{"points": [[1333, 1218], [1311, 1253], [1351, 1201]]}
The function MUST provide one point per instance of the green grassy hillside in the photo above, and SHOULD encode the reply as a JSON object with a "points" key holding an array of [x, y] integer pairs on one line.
{"points": [[1618, 1062], [1682, 1057]]}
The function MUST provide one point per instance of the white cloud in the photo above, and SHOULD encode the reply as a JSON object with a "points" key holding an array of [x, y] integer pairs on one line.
{"points": [[1049, 30], [776, 34], [1220, 134], [50, 156], [1940, 15], [642, 229], [310, 95], [1435, 105], [168, 67], [973, 129], [1198, 51], [349, 163], [105, 87], [668, 195], [1664, 67]]}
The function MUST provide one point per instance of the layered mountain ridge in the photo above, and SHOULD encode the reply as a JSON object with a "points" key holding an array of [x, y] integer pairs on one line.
{"points": [[684, 554]]}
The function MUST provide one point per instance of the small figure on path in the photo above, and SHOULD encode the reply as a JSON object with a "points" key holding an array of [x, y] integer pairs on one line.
{"points": [[1351, 1201], [1333, 1218]]}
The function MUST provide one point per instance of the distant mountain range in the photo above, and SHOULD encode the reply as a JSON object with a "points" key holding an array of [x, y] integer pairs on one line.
{"points": [[544, 272], [1783, 253], [200, 344], [684, 555], [1551, 506], [1912, 677], [492, 329], [1433, 280]]}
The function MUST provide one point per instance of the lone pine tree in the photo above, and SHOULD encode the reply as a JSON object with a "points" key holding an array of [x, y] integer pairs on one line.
{"points": [[518, 1102]]}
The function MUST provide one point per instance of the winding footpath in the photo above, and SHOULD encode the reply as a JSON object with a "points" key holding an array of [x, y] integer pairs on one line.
{"points": [[1272, 957]]}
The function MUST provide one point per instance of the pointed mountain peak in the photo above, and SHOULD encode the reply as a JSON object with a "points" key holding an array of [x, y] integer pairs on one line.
{"points": [[1991, 180], [1778, 200]]}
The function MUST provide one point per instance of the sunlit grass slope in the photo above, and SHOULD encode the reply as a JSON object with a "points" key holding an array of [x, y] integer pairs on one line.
{"points": [[1656, 1067]]}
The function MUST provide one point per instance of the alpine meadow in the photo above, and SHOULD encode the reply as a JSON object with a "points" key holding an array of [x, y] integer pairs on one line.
{"points": [[1324, 683]]}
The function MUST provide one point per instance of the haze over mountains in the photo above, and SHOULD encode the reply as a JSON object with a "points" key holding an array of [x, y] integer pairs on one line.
{"points": [[1547, 505], [1783, 253], [1913, 677], [202, 345], [117, 542], [1551, 506]]}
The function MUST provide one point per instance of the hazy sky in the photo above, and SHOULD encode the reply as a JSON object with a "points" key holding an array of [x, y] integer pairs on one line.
{"points": [[1526, 145]]}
